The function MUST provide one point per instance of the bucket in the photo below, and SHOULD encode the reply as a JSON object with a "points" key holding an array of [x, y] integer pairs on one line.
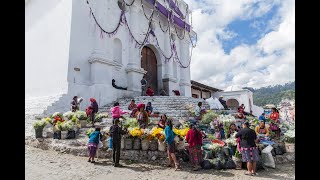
{"points": [[83, 123], [145, 145], [128, 143], [38, 133], [153, 145], [161, 146], [137, 144], [64, 134]]}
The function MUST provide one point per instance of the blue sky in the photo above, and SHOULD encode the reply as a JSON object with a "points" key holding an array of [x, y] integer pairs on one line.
{"points": [[250, 43], [248, 31]]}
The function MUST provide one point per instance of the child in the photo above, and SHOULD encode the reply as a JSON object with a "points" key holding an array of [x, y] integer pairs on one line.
{"points": [[117, 112], [116, 132], [94, 138]]}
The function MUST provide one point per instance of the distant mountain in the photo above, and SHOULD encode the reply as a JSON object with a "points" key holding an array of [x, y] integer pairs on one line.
{"points": [[273, 94]]}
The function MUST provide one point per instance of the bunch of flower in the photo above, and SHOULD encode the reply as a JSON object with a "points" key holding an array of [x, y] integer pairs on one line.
{"points": [[75, 121], [99, 116], [214, 147], [181, 132], [49, 120], [58, 126], [190, 108], [226, 120], [135, 132], [81, 115], [68, 114], [157, 133], [131, 122], [67, 125], [147, 135], [39, 124], [57, 114], [231, 141], [208, 117], [57, 119], [289, 136]]}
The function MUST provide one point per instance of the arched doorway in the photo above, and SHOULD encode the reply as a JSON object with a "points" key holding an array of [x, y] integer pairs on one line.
{"points": [[149, 64], [233, 104]]}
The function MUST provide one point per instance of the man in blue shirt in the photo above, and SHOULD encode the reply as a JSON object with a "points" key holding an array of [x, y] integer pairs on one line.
{"points": [[262, 117]]}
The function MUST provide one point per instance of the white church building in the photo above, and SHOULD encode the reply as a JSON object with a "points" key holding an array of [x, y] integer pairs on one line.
{"points": [[122, 41], [235, 96]]}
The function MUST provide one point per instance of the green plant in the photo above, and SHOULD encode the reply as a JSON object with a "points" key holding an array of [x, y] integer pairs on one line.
{"points": [[130, 122], [57, 114], [238, 154], [99, 116], [211, 137], [39, 124], [68, 114], [67, 126], [81, 115], [89, 131], [208, 117]]}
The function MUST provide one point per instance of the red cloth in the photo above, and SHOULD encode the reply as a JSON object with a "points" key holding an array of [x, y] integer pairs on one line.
{"points": [[150, 92], [192, 139], [92, 100], [140, 105], [240, 109], [274, 117], [88, 111], [117, 112], [176, 92]]}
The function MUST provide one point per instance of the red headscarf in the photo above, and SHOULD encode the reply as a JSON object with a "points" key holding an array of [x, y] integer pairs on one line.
{"points": [[92, 100], [140, 105]]}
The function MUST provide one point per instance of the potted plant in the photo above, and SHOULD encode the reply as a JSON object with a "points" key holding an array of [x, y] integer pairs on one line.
{"points": [[82, 116], [145, 139], [64, 129], [136, 134], [38, 127]]}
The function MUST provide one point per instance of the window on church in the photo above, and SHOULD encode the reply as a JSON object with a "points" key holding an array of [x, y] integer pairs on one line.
{"points": [[117, 51]]}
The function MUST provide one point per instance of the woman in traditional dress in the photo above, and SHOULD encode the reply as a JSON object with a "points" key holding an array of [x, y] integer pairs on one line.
{"points": [[194, 139], [249, 150], [142, 116], [274, 116], [171, 145]]}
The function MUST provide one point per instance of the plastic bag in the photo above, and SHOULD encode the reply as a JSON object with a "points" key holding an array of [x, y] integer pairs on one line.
{"points": [[206, 164], [218, 165], [100, 145], [229, 164], [267, 158]]}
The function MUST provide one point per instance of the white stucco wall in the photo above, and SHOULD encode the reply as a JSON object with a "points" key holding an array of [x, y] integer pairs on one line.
{"points": [[47, 37], [243, 97], [98, 61]]}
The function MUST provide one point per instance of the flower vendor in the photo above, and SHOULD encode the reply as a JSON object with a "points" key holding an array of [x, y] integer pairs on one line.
{"points": [[117, 112], [150, 91], [162, 121], [199, 111], [274, 116], [116, 132], [132, 105], [171, 145], [232, 129], [142, 116], [262, 130], [94, 138], [75, 104], [262, 117], [194, 139], [92, 110], [249, 150], [149, 108]]}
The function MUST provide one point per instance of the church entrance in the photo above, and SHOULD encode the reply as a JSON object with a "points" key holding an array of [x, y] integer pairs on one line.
{"points": [[149, 64]]}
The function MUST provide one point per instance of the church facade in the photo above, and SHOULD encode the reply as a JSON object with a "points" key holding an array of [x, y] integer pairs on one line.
{"points": [[114, 43]]}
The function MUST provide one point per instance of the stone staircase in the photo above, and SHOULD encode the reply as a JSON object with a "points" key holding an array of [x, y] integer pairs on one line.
{"points": [[172, 106]]}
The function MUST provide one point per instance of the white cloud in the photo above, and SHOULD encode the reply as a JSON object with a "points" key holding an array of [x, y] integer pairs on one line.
{"points": [[270, 61]]}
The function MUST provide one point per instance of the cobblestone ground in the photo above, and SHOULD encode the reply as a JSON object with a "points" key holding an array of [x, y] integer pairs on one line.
{"points": [[46, 164]]}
